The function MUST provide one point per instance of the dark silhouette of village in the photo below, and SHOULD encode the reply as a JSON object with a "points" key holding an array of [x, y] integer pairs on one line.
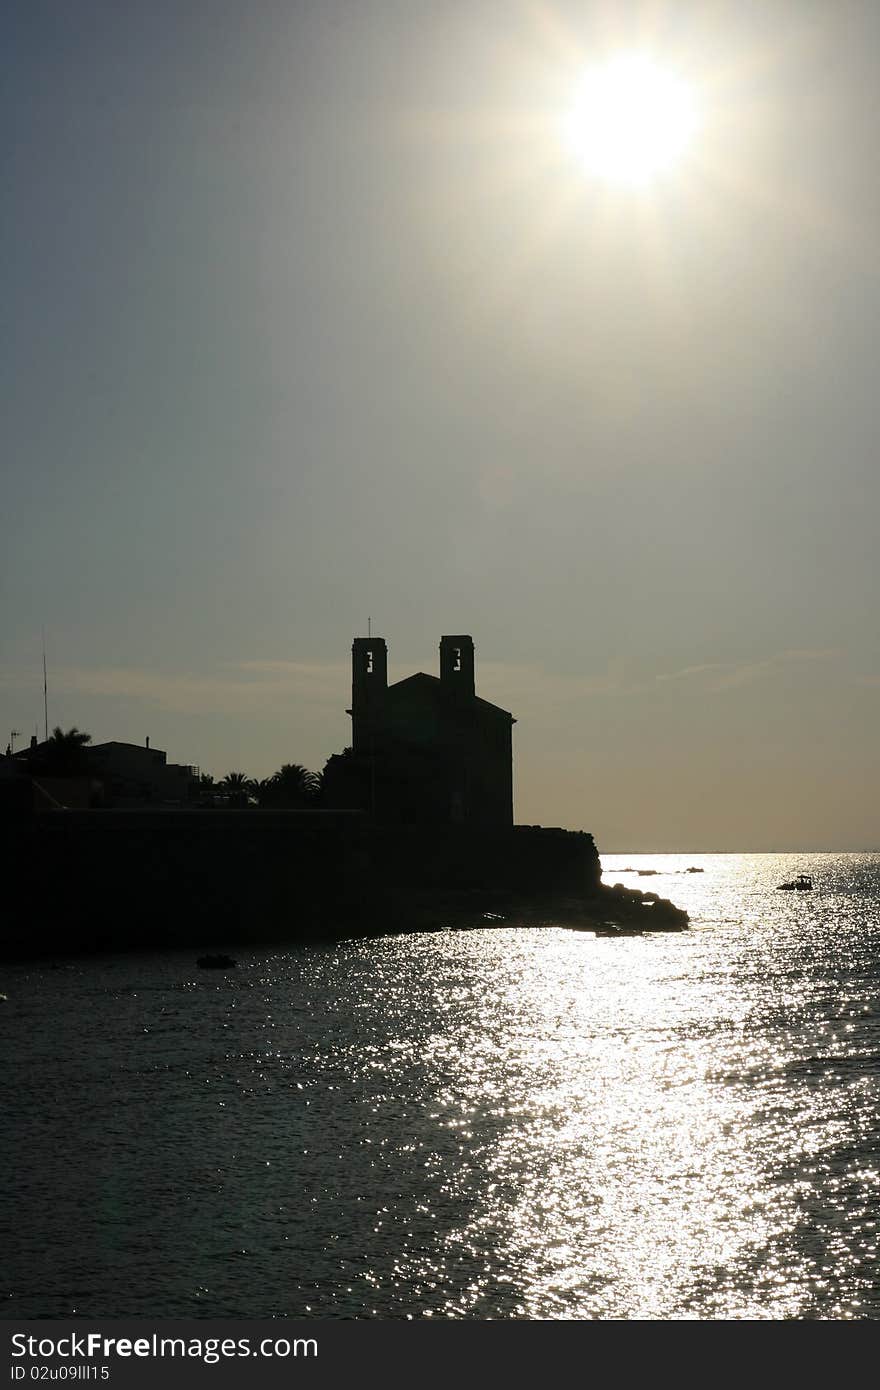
{"points": [[410, 827], [425, 750]]}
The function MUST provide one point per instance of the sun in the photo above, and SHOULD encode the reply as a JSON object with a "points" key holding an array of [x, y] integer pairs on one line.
{"points": [[632, 120]]}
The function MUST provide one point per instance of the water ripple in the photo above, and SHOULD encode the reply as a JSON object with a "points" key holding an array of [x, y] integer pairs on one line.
{"points": [[515, 1124]]}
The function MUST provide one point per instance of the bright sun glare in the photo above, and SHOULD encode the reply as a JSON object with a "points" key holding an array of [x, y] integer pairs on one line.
{"points": [[631, 120]]}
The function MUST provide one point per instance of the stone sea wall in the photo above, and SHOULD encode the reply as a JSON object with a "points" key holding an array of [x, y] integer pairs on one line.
{"points": [[107, 880]]}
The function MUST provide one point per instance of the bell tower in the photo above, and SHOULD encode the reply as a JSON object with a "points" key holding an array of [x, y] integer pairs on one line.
{"points": [[369, 686], [457, 666]]}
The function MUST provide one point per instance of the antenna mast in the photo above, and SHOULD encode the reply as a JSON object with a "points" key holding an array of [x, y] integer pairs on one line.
{"points": [[45, 691]]}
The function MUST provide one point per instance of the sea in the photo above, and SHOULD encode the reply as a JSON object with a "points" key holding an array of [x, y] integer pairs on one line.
{"points": [[501, 1123]]}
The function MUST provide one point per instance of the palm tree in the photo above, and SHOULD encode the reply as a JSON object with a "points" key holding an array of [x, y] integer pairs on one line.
{"points": [[292, 786], [238, 786], [64, 754]]}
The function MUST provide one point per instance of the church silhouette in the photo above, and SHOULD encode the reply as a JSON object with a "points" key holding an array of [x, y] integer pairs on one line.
{"points": [[426, 750]]}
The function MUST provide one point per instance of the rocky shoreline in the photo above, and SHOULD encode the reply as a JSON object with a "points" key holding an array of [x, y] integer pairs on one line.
{"points": [[609, 911]]}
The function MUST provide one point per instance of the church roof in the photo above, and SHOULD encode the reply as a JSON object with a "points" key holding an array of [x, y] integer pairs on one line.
{"points": [[432, 687]]}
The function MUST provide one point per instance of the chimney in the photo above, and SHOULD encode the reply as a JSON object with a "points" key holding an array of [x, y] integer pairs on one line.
{"points": [[148, 740]]}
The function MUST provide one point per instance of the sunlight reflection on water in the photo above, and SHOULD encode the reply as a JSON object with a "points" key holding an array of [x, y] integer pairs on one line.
{"points": [[508, 1123]]}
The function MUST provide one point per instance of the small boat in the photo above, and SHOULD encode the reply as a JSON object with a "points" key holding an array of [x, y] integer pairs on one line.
{"points": [[802, 884], [217, 962]]}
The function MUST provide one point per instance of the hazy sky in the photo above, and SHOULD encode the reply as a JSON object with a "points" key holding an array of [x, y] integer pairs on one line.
{"points": [[311, 314]]}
